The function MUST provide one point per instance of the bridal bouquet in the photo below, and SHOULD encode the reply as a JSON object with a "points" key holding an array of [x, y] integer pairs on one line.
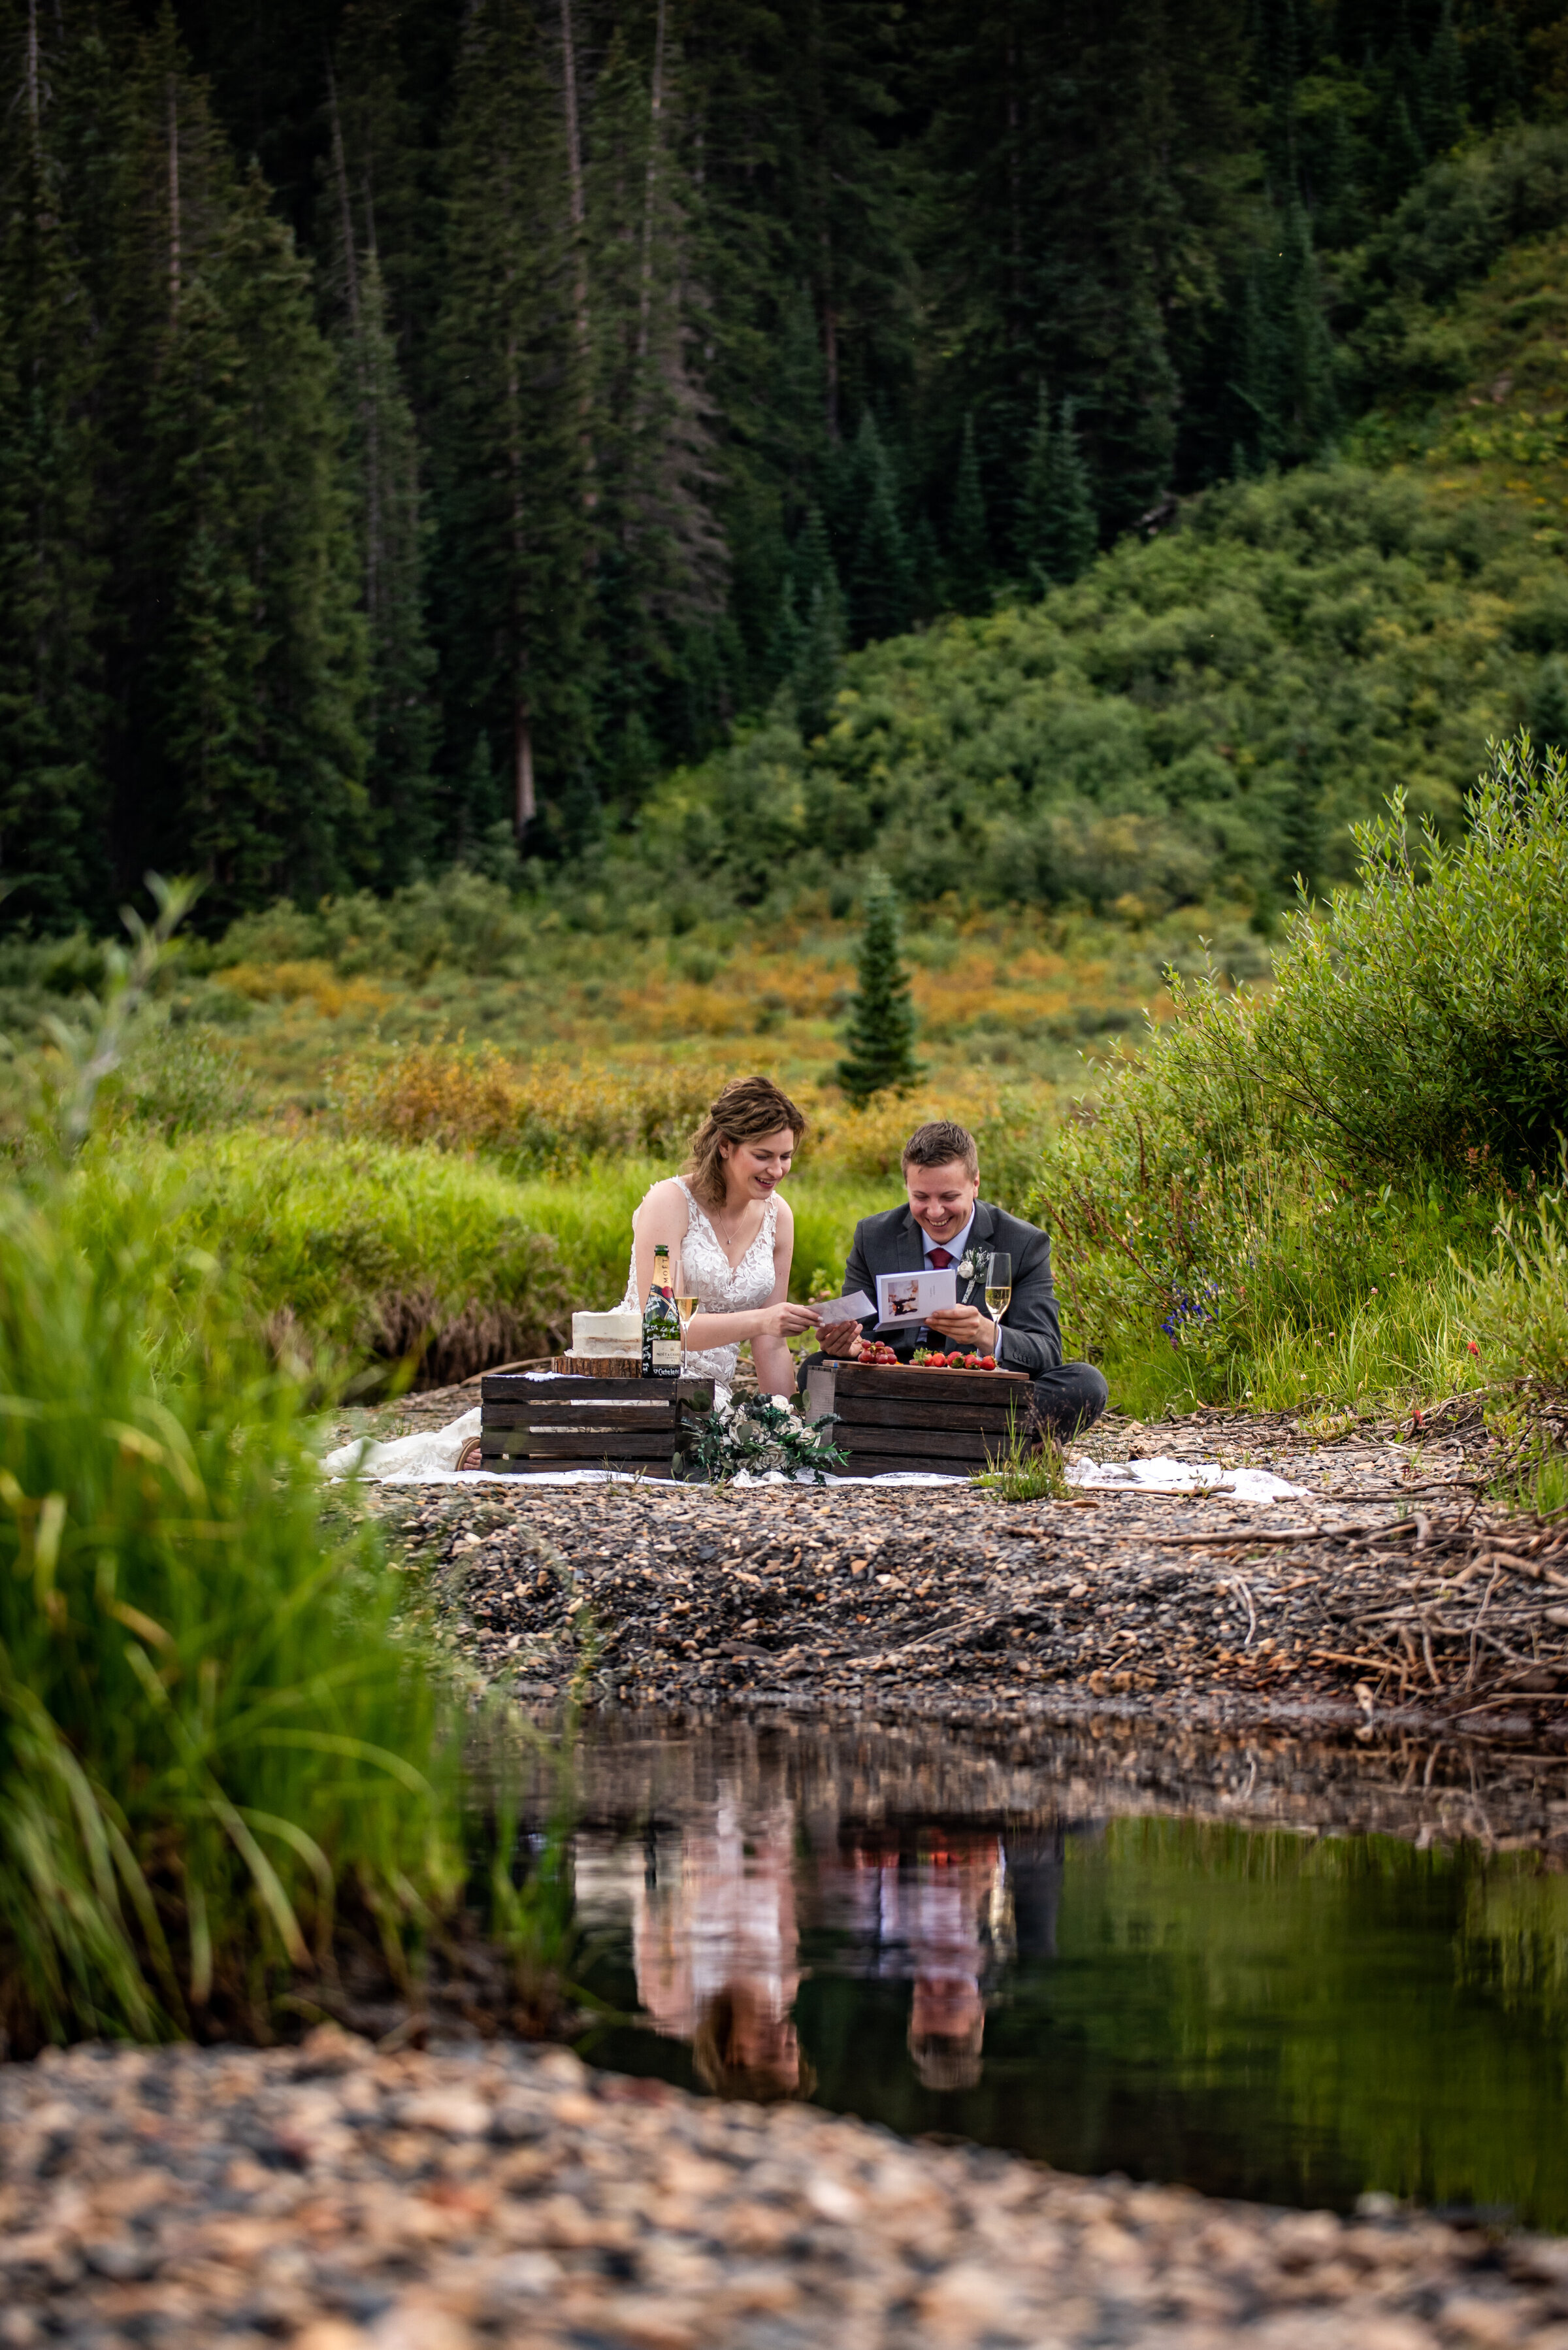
{"points": [[761, 1435]]}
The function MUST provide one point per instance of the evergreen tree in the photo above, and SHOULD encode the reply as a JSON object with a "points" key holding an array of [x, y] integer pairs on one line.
{"points": [[662, 560], [384, 469], [812, 567], [925, 569], [814, 676], [1029, 529], [513, 533], [1067, 534], [788, 638], [239, 664], [881, 588], [881, 1036], [54, 801], [969, 552], [1283, 378], [1443, 87], [1403, 158], [1337, 219]]}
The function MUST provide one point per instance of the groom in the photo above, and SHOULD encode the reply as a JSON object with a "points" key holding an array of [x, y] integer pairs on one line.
{"points": [[947, 1222]]}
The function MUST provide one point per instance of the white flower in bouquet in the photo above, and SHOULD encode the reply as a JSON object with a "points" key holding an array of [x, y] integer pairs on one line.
{"points": [[763, 1437]]}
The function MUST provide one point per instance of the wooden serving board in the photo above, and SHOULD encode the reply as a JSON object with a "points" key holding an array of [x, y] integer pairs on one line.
{"points": [[596, 1367]]}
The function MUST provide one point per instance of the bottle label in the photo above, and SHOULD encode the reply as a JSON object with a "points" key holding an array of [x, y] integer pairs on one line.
{"points": [[666, 1353]]}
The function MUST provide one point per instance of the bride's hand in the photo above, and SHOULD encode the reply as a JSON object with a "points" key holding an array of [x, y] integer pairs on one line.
{"points": [[787, 1321]]}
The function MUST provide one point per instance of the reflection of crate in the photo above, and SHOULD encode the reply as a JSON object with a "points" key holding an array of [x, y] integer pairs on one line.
{"points": [[530, 1425], [951, 1422]]}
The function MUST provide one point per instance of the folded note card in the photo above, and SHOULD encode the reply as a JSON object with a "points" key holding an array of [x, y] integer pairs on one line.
{"points": [[905, 1300]]}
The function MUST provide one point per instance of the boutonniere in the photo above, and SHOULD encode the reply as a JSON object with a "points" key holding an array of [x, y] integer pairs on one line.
{"points": [[969, 1267]]}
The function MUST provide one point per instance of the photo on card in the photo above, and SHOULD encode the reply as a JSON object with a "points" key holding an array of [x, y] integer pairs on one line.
{"points": [[905, 1300]]}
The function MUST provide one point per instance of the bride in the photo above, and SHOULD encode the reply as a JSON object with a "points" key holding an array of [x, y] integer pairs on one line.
{"points": [[734, 1236]]}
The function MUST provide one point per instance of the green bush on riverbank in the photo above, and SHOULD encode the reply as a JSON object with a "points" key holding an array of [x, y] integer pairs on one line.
{"points": [[1291, 1195]]}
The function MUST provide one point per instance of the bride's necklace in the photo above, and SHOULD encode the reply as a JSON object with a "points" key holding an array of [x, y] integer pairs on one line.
{"points": [[727, 1237]]}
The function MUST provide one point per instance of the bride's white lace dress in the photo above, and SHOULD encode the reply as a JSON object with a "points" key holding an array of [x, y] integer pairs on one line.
{"points": [[719, 1286]]}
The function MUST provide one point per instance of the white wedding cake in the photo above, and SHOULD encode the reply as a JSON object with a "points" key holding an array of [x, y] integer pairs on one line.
{"points": [[619, 1333]]}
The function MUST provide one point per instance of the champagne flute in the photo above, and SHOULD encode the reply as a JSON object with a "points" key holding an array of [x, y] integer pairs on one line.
{"points": [[684, 1296], [998, 1286]]}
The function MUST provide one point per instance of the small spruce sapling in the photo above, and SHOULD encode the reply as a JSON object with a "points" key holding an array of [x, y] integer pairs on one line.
{"points": [[881, 1039]]}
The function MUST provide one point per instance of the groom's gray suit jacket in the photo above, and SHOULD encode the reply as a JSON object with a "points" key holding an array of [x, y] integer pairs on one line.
{"points": [[1030, 1338]]}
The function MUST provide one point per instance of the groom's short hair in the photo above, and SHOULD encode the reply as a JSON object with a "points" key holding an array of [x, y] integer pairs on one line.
{"points": [[939, 1144]]}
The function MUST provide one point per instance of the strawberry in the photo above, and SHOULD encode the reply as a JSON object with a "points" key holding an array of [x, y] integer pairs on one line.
{"points": [[988, 1362], [938, 1362], [971, 1362]]}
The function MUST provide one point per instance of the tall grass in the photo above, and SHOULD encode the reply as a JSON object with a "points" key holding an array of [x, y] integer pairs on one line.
{"points": [[347, 1253], [213, 1744], [352, 1252]]}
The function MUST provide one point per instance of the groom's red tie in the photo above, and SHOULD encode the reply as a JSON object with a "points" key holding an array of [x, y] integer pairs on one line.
{"points": [[941, 1259]]}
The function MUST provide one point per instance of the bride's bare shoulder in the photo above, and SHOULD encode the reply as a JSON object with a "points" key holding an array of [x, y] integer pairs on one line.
{"points": [[662, 1197]]}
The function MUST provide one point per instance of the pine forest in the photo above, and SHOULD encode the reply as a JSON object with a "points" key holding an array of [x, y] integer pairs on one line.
{"points": [[422, 429]]}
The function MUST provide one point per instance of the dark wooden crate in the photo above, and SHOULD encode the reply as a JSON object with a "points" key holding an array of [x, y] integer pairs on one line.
{"points": [[951, 1422], [529, 1428]]}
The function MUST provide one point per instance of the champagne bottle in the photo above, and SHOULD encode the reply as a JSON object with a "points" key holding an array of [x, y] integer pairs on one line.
{"points": [[661, 1324]]}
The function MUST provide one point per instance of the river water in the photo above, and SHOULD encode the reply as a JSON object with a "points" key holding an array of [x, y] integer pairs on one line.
{"points": [[1257, 1969]]}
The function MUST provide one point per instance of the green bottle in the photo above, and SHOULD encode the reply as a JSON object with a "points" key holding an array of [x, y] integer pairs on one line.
{"points": [[661, 1324]]}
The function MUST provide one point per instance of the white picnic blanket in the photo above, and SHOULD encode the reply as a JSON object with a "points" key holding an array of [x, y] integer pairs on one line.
{"points": [[1164, 1475], [430, 1458]]}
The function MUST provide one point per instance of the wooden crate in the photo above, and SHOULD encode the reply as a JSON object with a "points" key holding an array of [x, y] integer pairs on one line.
{"points": [[529, 1426], [950, 1421]]}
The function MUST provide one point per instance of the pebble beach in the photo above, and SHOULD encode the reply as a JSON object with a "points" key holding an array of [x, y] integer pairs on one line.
{"points": [[338, 2199]]}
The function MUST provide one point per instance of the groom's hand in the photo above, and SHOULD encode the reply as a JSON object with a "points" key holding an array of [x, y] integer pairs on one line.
{"points": [[965, 1325], [839, 1339]]}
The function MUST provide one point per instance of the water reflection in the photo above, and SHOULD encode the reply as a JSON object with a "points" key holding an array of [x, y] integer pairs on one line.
{"points": [[715, 1940], [1096, 1959], [715, 1947]]}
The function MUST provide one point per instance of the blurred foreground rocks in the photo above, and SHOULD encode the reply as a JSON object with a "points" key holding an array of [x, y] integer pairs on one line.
{"points": [[335, 2198]]}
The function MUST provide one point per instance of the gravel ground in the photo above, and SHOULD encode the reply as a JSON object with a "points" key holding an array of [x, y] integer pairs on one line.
{"points": [[1389, 1595], [336, 2198]]}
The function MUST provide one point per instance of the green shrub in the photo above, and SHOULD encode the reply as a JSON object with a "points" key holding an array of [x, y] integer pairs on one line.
{"points": [[464, 920], [1423, 1023], [213, 1750], [1282, 1186], [183, 1079], [1206, 710], [1520, 1303]]}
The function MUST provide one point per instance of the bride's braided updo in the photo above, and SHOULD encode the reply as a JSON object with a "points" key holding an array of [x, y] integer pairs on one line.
{"points": [[744, 1111]]}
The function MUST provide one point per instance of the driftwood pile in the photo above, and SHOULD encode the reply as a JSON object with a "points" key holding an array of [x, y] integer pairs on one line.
{"points": [[946, 1602]]}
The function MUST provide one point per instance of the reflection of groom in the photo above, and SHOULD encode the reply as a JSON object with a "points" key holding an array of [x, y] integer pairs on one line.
{"points": [[947, 1222]]}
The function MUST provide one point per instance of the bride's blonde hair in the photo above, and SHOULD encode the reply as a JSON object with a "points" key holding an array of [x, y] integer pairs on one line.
{"points": [[745, 1109]]}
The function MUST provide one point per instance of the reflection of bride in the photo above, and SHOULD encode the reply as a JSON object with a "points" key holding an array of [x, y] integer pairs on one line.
{"points": [[714, 1947], [734, 1236]]}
